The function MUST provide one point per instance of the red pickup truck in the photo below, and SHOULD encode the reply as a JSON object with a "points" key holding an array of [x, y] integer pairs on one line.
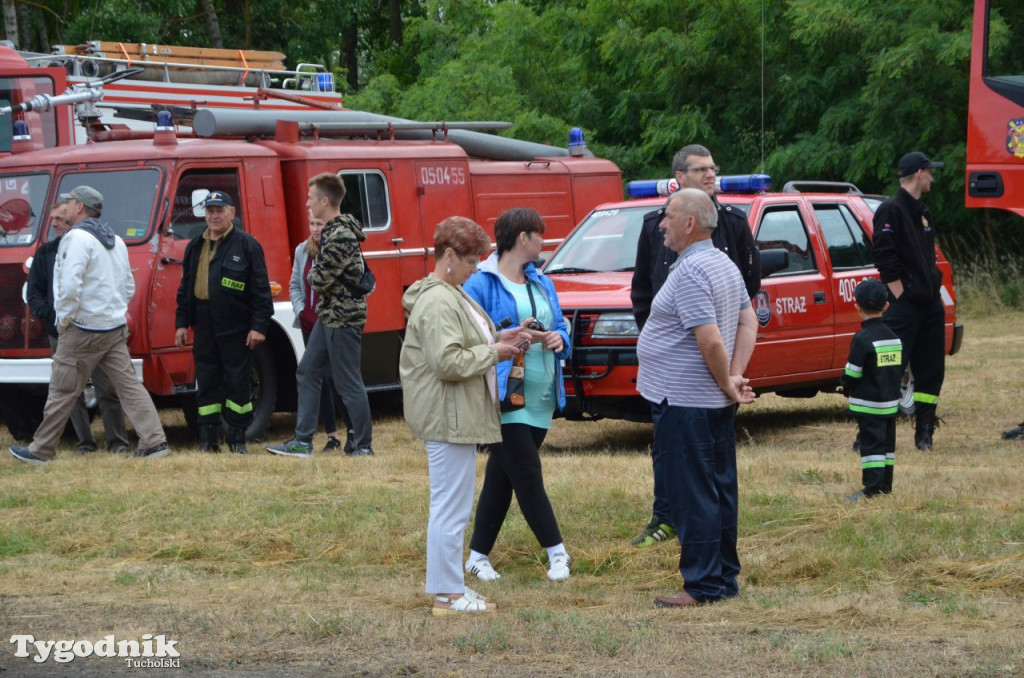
{"points": [[819, 245]]}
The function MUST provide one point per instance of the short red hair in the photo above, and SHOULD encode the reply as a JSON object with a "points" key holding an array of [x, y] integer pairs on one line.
{"points": [[463, 235]]}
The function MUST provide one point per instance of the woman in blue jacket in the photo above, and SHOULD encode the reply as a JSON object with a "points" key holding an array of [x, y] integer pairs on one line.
{"points": [[508, 286]]}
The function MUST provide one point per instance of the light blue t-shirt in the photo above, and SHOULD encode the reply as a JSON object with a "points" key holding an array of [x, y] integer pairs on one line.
{"points": [[539, 389]]}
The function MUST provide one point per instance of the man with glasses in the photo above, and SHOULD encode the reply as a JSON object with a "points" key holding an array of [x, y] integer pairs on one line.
{"points": [[694, 168]]}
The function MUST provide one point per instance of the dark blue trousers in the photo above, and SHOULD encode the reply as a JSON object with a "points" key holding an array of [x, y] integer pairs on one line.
{"points": [[699, 450]]}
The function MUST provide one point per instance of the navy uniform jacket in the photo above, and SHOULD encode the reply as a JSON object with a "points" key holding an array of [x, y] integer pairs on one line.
{"points": [[653, 259], [240, 298]]}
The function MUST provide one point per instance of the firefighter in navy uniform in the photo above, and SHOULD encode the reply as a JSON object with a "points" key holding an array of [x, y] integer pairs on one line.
{"points": [[693, 167], [225, 298], [904, 253], [872, 381]]}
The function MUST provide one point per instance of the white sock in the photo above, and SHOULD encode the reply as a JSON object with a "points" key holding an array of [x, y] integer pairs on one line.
{"points": [[474, 556], [556, 550]]}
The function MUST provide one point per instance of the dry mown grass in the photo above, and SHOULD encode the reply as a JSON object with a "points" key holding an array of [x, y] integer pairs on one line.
{"points": [[266, 566]]}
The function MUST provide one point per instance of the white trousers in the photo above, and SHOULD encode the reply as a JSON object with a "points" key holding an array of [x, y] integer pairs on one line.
{"points": [[452, 484]]}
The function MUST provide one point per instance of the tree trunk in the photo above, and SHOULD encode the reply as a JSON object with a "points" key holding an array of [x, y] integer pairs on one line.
{"points": [[11, 22], [24, 26], [212, 23], [396, 21], [350, 53]]}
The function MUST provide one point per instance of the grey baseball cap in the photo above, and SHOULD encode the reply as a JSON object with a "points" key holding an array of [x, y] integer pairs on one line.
{"points": [[86, 195]]}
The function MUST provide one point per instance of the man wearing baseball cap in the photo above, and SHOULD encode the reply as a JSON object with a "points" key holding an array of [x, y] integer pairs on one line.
{"points": [[904, 253], [92, 285], [225, 298]]}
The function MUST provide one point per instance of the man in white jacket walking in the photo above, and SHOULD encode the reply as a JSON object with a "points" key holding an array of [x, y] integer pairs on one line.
{"points": [[92, 287]]}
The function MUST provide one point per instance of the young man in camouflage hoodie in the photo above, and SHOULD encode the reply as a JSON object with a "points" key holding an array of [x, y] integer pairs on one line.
{"points": [[336, 340]]}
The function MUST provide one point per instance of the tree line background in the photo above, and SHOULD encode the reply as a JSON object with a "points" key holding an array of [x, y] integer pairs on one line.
{"points": [[799, 89]]}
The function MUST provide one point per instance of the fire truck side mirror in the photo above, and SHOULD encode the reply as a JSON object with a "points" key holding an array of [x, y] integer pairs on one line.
{"points": [[198, 202]]}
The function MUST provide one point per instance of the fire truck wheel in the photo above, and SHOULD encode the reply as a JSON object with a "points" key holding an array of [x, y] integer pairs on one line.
{"points": [[21, 412], [264, 392]]}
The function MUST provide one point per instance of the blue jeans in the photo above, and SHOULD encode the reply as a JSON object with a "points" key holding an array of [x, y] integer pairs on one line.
{"points": [[699, 450]]}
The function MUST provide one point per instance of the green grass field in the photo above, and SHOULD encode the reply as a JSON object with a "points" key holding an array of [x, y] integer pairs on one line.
{"points": [[266, 566]]}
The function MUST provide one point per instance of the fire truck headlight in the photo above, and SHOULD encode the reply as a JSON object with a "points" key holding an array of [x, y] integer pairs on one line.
{"points": [[615, 326]]}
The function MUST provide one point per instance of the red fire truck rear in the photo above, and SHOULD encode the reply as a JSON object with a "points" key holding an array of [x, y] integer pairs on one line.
{"points": [[402, 179]]}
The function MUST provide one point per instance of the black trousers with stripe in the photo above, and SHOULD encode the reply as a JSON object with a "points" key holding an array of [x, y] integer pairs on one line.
{"points": [[877, 436], [223, 373]]}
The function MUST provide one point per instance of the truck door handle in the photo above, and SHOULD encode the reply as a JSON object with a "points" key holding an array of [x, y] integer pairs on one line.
{"points": [[168, 260], [819, 297]]}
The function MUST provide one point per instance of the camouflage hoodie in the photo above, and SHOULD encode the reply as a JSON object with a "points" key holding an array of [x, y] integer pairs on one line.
{"points": [[340, 260]]}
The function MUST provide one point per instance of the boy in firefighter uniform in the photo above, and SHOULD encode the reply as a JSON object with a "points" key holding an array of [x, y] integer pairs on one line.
{"points": [[872, 381], [225, 298]]}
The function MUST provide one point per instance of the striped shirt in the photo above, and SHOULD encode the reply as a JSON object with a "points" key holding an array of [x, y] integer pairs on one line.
{"points": [[703, 287]]}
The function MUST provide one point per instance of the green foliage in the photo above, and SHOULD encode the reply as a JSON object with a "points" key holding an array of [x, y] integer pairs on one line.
{"points": [[822, 89]]}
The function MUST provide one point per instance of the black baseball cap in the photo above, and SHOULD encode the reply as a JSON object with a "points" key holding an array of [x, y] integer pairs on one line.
{"points": [[871, 295], [914, 161], [218, 199]]}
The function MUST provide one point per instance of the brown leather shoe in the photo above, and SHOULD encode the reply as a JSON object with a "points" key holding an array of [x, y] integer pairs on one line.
{"points": [[681, 599]]}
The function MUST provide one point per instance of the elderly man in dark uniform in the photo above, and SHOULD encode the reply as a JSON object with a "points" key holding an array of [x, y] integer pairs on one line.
{"points": [[225, 298]]}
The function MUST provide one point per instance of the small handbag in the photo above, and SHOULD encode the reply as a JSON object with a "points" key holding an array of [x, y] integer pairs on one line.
{"points": [[515, 386], [367, 283]]}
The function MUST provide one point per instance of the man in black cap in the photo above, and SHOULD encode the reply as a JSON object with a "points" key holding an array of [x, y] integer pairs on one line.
{"points": [[225, 298], [872, 381], [904, 253]]}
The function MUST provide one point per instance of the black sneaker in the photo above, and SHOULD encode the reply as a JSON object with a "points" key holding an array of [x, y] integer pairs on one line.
{"points": [[650, 529], [85, 448], [24, 454], [332, 444], [160, 450], [292, 448], [361, 452], [1014, 433]]}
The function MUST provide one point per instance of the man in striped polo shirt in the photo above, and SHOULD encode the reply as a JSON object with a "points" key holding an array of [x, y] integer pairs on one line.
{"points": [[693, 351]]}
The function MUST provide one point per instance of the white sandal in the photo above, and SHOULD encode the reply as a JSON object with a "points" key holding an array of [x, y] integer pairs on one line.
{"points": [[471, 601]]}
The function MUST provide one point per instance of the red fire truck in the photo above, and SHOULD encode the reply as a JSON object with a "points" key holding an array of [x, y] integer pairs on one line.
{"points": [[402, 178], [995, 126]]}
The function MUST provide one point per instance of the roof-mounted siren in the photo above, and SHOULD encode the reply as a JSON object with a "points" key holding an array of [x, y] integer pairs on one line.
{"points": [[165, 135], [577, 144], [738, 183], [21, 132]]}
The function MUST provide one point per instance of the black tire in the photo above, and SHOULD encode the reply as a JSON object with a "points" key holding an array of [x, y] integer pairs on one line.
{"points": [[264, 392], [22, 412]]}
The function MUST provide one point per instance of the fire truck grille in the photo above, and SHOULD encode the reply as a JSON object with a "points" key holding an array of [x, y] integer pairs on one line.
{"points": [[18, 328]]}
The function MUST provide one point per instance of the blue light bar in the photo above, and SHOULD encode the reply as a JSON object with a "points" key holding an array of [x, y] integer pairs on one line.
{"points": [[651, 188], [744, 183], [738, 183]]}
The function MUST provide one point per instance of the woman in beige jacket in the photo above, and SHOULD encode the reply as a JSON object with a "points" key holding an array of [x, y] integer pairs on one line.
{"points": [[447, 369]]}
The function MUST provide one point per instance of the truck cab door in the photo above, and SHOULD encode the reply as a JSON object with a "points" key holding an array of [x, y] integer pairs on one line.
{"points": [[443, 189], [794, 306], [849, 250]]}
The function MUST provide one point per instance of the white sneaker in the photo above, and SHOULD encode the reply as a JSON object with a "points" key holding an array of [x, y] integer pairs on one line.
{"points": [[558, 567], [483, 569]]}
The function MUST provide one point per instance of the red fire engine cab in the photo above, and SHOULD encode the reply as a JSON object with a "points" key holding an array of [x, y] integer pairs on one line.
{"points": [[402, 178]]}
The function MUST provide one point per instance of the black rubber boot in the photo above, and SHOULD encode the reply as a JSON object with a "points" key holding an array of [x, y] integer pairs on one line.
{"points": [[209, 438], [924, 426], [236, 440]]}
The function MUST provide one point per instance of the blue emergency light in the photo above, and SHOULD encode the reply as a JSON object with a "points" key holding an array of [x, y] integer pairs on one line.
{"points": [[738, 183], [577, 144], [164, 122], [21, 132]]}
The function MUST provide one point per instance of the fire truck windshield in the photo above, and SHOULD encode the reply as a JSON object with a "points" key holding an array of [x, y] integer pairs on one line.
{"points": [[21, 204], [129, 196]]}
